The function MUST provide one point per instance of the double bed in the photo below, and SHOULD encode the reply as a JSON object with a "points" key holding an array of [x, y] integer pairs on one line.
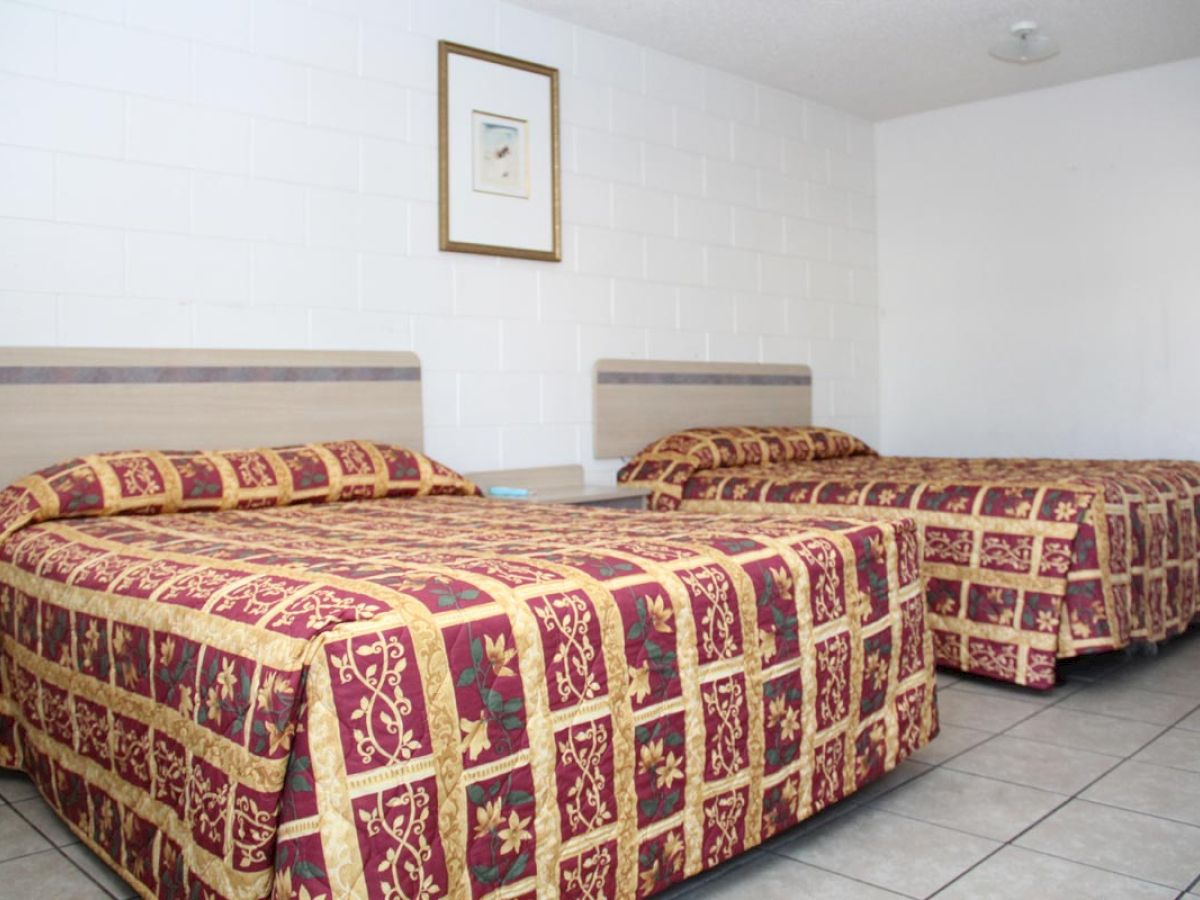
{"points": [[1026, 561], [333, 670]]}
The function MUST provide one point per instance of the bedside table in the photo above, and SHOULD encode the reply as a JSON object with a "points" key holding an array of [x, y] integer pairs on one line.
{"points": [[560, 484]]}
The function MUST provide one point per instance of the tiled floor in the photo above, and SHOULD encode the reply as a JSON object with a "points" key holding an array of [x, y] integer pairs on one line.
{"points": [[1090, 790]]}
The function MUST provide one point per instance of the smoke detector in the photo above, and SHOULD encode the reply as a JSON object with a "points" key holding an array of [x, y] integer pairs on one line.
{"points": [[1025, 44]]}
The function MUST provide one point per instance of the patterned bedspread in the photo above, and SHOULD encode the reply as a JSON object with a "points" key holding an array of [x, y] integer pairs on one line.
{"points": [[1025, 560], [425, 696]]}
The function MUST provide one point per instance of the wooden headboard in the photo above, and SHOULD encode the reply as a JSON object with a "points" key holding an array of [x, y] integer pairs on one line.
{"points": [[639, 401], [57, 403]]}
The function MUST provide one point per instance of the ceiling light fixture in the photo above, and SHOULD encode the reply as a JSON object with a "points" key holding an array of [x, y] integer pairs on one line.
{"points": [[1024, 45]]}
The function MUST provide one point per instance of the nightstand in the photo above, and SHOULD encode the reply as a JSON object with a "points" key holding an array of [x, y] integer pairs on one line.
{"points": [[560, 484]]}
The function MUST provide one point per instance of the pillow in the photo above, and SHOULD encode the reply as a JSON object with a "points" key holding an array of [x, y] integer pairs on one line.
{"points": [[108, 484], [668, 463]]}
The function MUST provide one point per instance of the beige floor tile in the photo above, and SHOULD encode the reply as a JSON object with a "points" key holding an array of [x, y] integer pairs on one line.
{"points": [[1018, 874], [46, 875], [18, 837], [970, 803], [1114, 698], [947, 677], [982, 711], [1154, 790], [902, 774], [1118, 840], [1177, 748], [1192, 722], [1177, 675], [15, 786], [99, 871], [42, 817], [890, 851], [1016, 692], [1190, 651], [1087, 731], [726, 868], [814, 823], [771, 877], [1186, 645], [1064, 770], [951, 741]]}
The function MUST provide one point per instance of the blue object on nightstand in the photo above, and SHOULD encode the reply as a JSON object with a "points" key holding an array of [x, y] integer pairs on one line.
{"points": [[509, 492]]}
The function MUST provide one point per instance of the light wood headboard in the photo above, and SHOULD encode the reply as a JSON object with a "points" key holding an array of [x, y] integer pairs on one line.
{"points": [[57, 403], [639, 401]]}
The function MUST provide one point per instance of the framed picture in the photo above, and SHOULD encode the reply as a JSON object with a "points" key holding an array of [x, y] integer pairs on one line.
{"points": [[498, 155]]}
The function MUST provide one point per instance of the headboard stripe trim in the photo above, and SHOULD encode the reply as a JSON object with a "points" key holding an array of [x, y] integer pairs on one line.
{"points": [[202, 374], [712, 378]]}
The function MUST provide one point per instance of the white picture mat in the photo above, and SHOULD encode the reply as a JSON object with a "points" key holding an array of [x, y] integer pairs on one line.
{"points": [[479, 218], [517, 163]]}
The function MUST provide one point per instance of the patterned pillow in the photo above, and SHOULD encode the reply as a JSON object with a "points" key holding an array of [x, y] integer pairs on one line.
{"points": [[144, 482], [667, 464]]}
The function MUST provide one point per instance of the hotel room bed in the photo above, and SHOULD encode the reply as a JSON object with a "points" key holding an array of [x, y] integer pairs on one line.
{"points": [[328, 671], [1026, 561]]}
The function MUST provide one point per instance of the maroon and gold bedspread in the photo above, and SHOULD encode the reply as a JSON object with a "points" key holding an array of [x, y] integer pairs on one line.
{"points": [[420, 696], [1025, 560]]}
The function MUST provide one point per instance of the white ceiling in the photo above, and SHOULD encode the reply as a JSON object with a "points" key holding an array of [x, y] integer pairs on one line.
{"points": [[886, 58]]}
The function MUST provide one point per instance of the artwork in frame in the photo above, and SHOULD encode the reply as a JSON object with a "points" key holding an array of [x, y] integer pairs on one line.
{"points": [[498, 155]]}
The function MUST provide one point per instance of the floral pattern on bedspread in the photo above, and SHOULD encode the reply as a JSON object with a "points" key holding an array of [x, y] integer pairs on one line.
{"points": [[148, 482], [666, 465], [448, 696], [1026, 560]]}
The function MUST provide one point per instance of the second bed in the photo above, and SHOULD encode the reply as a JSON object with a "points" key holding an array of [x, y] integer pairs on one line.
{"points": [[1026, 561]]}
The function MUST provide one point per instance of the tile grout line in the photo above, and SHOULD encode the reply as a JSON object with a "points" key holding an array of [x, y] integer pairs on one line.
{"points": [[88, 875], [949, 759], [1148, 815], [929, 768], [962, 831], [862, 804], [59, 851], [1007, 843], [80, 869], [1160, 765], [1168, 693], [1033, 740], [29, 854], [1076, 796], [685, 887], [1096, 868], [855, 879], [54, 846], [1040, 743], [1011, 841], [28, 821], [1083, 711], [1022, 784]]}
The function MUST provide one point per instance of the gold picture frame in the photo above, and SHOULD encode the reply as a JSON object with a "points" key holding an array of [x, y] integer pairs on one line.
{"points": [[544, 170]]}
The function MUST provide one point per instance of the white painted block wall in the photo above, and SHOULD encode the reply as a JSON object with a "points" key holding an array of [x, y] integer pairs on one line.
{"points": [[227, 173], [1040, 272]]}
